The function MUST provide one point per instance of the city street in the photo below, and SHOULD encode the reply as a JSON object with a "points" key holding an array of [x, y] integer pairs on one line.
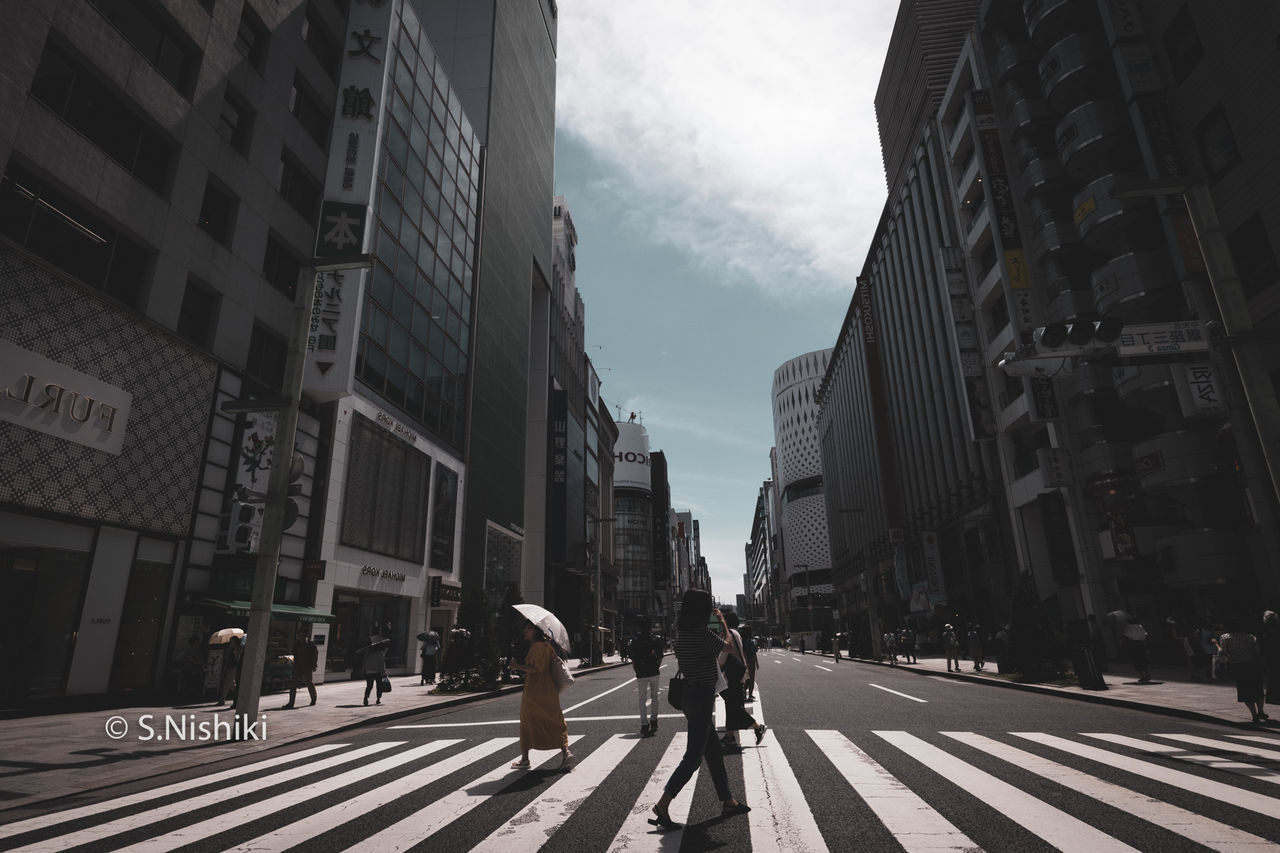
{"points": [[856, 756]]}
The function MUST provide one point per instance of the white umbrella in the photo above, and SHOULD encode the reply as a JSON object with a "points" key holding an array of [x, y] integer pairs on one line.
{"points": [[1118, 617], [545, 621], [225, 635]]}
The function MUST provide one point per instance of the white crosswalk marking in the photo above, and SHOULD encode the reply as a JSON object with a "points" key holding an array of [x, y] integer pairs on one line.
{"points": [[1202, 830], [222, 795], [780, 817], [538, 820], [1053, 825], [314, 825], [21, 826], [1198, 785], [913, 822], [1256, 752], [1214, 761], [427, 821], [302, 794], [637, 834]]}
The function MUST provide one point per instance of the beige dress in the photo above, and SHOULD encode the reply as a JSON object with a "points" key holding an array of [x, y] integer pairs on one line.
{"points": [[542, 724]]}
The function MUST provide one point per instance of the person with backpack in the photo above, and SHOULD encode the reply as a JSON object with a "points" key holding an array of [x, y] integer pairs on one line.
{"points": [[306, 656], [646, 659], [951, 645], [975, 648]]}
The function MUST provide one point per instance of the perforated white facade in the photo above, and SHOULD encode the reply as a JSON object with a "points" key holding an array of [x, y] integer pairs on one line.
{"points": [[795, 434]]}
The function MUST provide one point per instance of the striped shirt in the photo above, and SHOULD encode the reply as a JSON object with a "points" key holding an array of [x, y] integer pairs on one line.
{"points": [[697, 652]]}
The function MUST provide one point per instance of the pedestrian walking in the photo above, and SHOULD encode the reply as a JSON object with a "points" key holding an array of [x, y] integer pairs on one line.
{"points": [[907, 645], [733, 663], [951, 647], [975, 648], [1238, 649], [1134, 637], [306, 657], [373, 659], [835, 647], [430, 648], [231, 661], [697, 649], [646, 660], [1269, 646], [889, 643], [542, 724], [753, 660]]}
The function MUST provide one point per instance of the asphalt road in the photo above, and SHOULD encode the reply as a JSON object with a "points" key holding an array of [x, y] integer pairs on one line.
{"points": [[856, 757]]}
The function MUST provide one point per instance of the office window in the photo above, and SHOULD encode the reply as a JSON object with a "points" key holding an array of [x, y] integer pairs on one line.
{"points": [[1255, 258], [326, 48], [385, 506], [101, 115], [281, 266], [1217, 144], [199, 314], [235, 122], [310, 112], [267, 354], [252, 37], [160, 41], [51, 224], [217, 212], [1182, 45], [298, 188]]}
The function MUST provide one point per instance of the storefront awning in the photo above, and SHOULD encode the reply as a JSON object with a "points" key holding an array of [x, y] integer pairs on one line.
{"points": [[281, 611]]}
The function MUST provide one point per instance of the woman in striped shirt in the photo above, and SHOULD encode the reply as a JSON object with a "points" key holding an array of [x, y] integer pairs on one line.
{"points": [[697, 649]]}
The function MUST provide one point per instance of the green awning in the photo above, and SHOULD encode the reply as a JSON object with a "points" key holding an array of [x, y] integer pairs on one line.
{"points": [[283, 611]]}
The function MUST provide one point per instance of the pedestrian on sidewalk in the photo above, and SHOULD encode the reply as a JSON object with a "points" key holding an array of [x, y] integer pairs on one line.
{"points": [[231, 661], [306, 657], [753, 660], [1269, 645], [907, 645], [697, 649], [1135, 641], [835, 646], [733, 662], [889, 645], [374, 665], [542, 724], [975, 647], [646, 660], [951, 646], [430, 648], [1239, 651]]}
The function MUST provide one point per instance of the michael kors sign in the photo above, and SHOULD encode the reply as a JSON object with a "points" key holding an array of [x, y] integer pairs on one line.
{"points": [[43, 395]]}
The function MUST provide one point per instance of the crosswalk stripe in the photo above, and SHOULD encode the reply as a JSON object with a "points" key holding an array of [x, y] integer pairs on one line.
{"points": [[222, 795], [431, 818], [1269, 741], [1198, 785], [1267, 754], [1216, 762], [915, 824], [56, 818], [780, 818], [637, 835], [253, 811], [1202, 830], [530, 829], [1053, 825], [348, 810]]}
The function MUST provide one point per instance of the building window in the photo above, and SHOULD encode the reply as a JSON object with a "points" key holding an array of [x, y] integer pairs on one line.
{"points": [[327, 49], [1217, 144], [159, 41], [102, 116], [199, 314], [1182, 45], [385, 506], [298, 188], [252, 37], [281, 266], [65, 233], [1255, 259], [217, 212], [443, 517], [310, 113], [235, 122], [267, 354]]}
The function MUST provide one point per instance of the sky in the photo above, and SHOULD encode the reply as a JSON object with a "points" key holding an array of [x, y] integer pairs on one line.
{"points": [[721, 163]]}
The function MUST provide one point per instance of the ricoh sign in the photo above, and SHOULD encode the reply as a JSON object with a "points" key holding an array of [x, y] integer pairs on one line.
{"points": [[631, 458]]}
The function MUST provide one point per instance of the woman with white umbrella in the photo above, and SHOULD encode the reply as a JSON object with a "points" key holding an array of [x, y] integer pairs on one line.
{"points": [[542, 724]]}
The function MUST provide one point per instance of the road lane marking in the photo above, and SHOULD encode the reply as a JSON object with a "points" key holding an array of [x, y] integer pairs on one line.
{"points": [[780, 818], [1053, 825], [1260, 803], [600, 695], [1179, 753], [896, 693], [45, 821], [1267, 754], [315, 825], [218, 797], [428, 820], [1200, 829], [916, 825], [542, 818], [631, 717], [637, 835], [823, 668]]}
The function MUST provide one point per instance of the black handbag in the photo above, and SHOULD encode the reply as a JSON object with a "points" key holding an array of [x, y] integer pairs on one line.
{"points": [[386, 685], [675, 691]]}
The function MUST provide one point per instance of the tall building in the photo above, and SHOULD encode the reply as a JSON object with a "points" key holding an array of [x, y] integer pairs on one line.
{"points": [[806, 571], [633, 527]]}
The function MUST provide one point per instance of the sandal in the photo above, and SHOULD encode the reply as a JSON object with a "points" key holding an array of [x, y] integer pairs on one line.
{"points": [[663, 820], [520, 765], [735, 809], [760, 730]]}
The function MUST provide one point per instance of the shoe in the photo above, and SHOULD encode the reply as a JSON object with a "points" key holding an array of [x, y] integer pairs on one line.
{"points": [[520, 765], [663, 820], [760, 730], [286, 707], [644, 731], [378, 702], [735, 809], [1263, 716], [313, 701], [366, 700], [567, 762], [653, 726]]}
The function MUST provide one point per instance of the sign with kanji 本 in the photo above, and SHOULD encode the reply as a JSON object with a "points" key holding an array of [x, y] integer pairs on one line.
{"points": [[341, 231]]}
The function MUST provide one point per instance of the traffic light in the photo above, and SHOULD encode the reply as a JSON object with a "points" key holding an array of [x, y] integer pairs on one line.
{"points": [[297, 466], [241, 527], [1077, 338]]}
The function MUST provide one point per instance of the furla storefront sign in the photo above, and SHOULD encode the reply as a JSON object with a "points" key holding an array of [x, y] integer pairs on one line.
{"points": [[48, 397]]}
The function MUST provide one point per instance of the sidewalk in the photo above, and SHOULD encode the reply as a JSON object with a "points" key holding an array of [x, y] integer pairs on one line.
{"points": [[61, 755], [1170, 691]]}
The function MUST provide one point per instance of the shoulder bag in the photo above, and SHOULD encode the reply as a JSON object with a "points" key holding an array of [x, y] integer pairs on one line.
{"points": [[675, 691], [560, 673]]}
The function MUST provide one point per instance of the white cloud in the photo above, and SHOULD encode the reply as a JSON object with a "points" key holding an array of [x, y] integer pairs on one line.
{"points": [[746, 127]]}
